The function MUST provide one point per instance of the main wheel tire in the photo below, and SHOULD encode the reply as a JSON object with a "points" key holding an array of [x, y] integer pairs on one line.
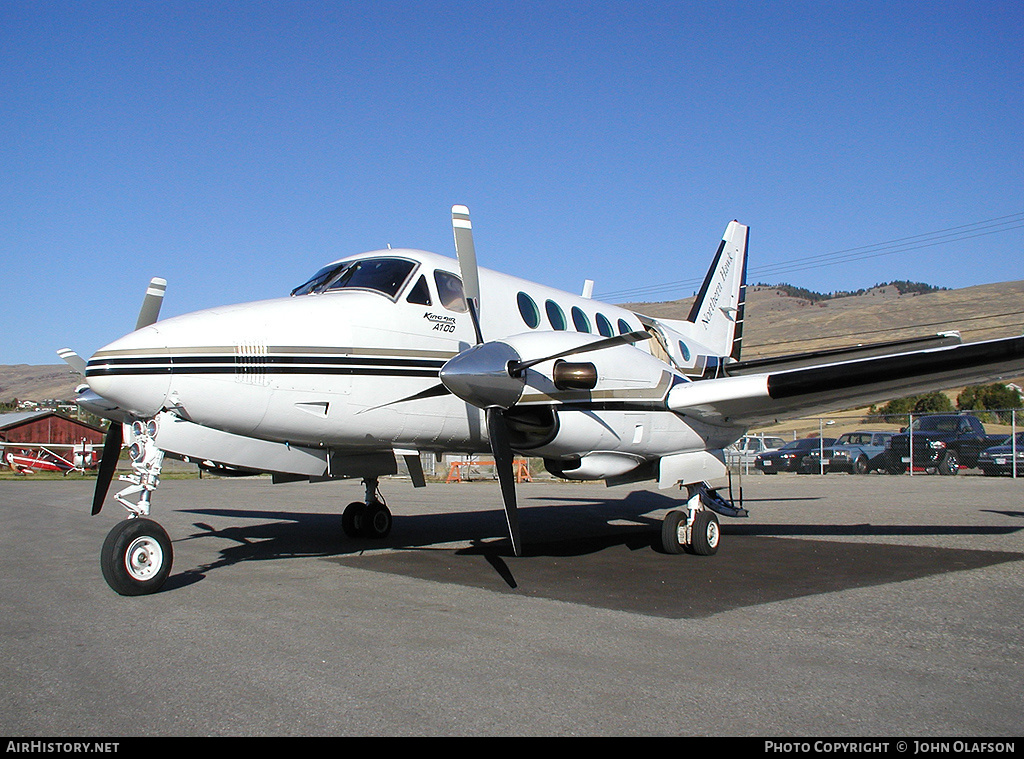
{"points": [[672, 532], [705, 534], [860, 466], [352, 519], [950, 464], [136, 557], [376, 521], [362, 520]]}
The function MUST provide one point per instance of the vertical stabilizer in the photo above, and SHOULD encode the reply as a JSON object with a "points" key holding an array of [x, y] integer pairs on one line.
{"points": [[717, 313]]}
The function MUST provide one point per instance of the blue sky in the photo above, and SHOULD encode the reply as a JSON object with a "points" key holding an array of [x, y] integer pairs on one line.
{"points": [[234, 147]]}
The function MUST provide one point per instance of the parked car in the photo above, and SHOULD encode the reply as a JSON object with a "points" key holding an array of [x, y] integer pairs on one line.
{"points": [[789, 457], [942, 443], [746, 449], [854, 452], [999, 458]]}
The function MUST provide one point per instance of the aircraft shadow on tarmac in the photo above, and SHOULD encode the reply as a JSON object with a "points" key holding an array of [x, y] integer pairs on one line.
{"points": [[602, 553]]}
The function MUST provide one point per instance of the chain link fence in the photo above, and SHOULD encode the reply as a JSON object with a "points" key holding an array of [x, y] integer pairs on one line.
{"points": [[984, 441]]}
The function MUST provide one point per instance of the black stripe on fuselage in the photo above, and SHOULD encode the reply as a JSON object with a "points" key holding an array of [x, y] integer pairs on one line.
{"points": [[242, 364], [605, 406]]}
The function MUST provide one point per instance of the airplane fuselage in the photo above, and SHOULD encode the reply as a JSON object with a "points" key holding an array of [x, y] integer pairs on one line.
{"points": [[327, 368]]}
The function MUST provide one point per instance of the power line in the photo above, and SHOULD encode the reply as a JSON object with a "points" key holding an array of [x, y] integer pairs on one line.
{"points": [[900, 245]]}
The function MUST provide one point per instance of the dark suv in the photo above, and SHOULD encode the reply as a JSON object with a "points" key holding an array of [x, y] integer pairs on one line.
{"points": [[942, 443]]}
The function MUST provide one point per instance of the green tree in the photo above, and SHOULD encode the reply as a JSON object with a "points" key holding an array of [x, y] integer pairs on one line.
{"points": [[898, 410], [997, 398]]}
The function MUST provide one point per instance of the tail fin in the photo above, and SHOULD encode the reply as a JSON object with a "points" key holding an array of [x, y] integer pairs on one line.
{"points": [[717, 313]]}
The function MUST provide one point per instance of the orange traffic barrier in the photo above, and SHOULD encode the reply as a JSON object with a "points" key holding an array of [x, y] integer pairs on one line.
{"points": [[520, 468]]}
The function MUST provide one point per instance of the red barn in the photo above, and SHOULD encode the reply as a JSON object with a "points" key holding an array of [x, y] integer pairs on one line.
{"points": [[34, 428]]}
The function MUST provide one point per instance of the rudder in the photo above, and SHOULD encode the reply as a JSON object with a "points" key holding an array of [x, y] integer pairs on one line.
{"points": [[717, 312]]}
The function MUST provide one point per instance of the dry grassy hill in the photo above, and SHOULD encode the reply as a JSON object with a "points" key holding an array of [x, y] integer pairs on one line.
{"points": [[37, 383], [776, 323]]}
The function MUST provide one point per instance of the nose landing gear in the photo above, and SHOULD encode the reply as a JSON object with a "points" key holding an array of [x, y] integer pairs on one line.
{"points": [[136, 557]]}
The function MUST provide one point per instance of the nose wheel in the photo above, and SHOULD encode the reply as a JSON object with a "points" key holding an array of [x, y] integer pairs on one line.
{"points": [[136, 557]]}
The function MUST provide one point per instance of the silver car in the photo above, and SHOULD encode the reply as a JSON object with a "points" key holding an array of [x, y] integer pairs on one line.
{"points": [[745, 450]]}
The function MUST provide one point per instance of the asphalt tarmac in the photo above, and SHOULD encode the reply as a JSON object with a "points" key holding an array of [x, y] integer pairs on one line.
{"points": [[843, 606]]}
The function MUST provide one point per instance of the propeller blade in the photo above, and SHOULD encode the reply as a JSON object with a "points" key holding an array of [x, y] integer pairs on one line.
{"points": [[108, 463], [150, 310], [76, 362], [630, 337], [497, 431], [466, 253]]}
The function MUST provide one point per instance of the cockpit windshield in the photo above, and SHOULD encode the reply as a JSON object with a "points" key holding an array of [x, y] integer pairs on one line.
{"points": [[316, 282], [384, 275]]}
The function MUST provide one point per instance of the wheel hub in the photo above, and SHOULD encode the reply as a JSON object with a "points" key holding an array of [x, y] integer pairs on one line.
{"points": [[713, 534], [143, 558]]}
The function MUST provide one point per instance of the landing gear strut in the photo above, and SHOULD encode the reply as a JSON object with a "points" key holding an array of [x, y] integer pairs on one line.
{"points": [[370, 518]]}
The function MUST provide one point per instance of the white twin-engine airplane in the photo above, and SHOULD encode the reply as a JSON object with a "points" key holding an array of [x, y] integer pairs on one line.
{"points": [[397, 352]]}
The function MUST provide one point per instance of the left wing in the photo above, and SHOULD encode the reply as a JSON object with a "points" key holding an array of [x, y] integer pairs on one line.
{"points": [[756, 399]]}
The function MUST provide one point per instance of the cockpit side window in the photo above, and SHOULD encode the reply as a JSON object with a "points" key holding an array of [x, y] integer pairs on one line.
{"points": [[420, 293], [449, 291]]}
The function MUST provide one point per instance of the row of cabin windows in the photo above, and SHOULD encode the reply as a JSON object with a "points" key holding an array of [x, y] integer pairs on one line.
{"points": [[449, 288], [556, 317], [388, 275]]}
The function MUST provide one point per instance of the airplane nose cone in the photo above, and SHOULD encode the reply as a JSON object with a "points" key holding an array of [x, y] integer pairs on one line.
{"points": [[132, 372]]}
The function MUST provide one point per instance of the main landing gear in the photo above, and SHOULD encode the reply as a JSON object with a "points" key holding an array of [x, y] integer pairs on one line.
{"points": [[696, 530], [370, 518]]}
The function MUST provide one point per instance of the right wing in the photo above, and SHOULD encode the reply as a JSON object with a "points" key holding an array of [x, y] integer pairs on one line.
{"points": [[757, 399]]}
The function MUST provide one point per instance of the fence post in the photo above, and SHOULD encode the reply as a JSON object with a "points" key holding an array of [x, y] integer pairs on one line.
{"points": [[821, 446], [1013, 439], [910, 431]]}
